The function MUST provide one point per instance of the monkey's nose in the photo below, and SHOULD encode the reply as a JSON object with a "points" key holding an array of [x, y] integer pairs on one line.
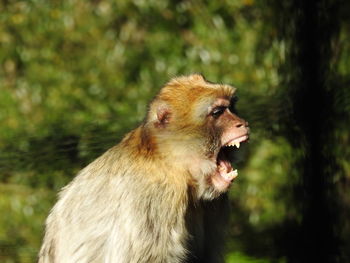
{"points": [[239, 124]]}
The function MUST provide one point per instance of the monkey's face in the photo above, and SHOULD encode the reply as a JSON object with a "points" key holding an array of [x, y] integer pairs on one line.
{"points": [[196, 127], [229, 131]]}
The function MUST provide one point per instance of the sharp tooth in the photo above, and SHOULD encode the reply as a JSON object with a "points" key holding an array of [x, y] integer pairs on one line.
{"points": [[234, 143]]}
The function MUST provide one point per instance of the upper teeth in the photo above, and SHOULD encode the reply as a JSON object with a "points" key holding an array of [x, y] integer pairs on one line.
{"points": [[234, 143]]}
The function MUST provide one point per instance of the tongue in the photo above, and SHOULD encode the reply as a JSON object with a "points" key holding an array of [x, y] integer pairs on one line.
{"points": [[223, 164]]}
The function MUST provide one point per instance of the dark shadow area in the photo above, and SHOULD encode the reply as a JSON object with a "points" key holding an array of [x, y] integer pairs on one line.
{"points": [[311, 29]]}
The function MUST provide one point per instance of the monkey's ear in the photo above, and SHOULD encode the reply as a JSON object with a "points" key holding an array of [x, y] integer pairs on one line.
{"points": [[163, 115], [160, 114]]}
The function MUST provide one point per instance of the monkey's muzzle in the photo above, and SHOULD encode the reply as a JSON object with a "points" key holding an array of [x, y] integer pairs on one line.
{"points": [[225, 173]]}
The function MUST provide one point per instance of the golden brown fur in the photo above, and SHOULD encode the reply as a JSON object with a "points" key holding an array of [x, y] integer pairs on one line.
{"points": [[150, 198]]}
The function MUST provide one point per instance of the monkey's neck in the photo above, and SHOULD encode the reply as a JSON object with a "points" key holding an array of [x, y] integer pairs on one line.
{"points": [[169, 160], [158, 156]]}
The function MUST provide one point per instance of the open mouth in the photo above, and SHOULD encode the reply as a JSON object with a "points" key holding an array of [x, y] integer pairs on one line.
{"points": [[225, 171]]}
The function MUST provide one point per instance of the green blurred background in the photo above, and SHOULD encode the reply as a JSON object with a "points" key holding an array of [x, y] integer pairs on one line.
{"points": [[76, 75]]}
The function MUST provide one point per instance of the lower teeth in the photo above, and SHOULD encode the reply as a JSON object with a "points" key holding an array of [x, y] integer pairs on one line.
{"points": [[232, 174]]}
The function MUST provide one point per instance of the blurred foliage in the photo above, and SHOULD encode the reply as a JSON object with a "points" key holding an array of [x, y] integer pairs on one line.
{"points": [[76, 75], [241, 258]]}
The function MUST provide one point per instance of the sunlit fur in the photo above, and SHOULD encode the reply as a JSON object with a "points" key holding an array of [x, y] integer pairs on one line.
{"points": [[139, 200]]}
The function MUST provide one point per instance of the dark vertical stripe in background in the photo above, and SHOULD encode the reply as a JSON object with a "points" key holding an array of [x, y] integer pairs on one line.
{"points": [[310, 28]]}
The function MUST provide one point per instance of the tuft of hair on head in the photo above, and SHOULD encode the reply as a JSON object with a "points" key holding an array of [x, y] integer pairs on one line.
{"points": [[188, 80]]}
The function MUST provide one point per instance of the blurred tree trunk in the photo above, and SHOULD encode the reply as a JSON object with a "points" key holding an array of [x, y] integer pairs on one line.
{"points": [[309, 28]]}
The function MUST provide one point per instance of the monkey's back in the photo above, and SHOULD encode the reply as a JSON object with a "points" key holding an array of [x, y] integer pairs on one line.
{"points": [[108, 213]]}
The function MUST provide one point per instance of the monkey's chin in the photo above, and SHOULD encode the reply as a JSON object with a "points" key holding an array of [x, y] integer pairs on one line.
{"points": [[222, 179]]}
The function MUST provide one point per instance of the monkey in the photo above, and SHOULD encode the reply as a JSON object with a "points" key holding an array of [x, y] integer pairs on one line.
{"points": [[159, 195]]}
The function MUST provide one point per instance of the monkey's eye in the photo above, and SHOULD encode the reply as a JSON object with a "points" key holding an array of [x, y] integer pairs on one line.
{"points": [[217, 111]]}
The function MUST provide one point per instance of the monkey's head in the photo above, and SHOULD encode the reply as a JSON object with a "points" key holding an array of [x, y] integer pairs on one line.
{"points": [[194, 124]]}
